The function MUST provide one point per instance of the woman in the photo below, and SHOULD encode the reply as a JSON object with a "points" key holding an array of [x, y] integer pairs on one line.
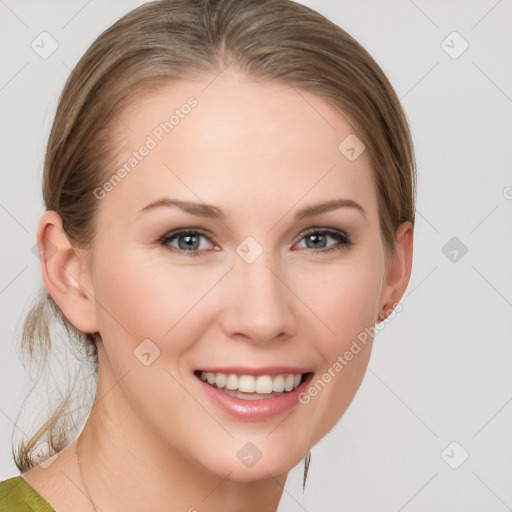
{"points": [[229, 192]]}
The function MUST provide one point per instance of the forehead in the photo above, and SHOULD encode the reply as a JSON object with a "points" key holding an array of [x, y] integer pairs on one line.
{"points": [[236, 141]]}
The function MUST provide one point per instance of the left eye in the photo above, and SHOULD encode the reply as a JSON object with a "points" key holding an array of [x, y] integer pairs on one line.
{"points": [[318, 237]]}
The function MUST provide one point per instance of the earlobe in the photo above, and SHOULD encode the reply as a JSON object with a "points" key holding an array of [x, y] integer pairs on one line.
{"points": [[64, 274], [398, 271]]}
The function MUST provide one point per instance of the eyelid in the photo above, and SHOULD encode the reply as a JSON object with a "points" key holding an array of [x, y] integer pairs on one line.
{"points": [[326, 230], [182, 231]]}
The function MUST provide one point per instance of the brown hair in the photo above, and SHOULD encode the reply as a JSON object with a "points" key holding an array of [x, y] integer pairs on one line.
{"points": [[167, 40]]}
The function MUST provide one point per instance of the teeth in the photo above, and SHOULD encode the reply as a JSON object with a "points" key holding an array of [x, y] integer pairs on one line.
{"points": [[263, 384]]}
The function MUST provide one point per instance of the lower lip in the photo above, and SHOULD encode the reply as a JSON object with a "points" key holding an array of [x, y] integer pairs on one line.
{"points": [[255, 410]]}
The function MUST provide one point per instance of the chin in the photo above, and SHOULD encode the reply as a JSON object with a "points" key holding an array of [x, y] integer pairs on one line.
{"points": [[250, 465]]}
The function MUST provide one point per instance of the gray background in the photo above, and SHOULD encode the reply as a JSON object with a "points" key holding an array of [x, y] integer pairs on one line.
{"points": [[441, 370]]}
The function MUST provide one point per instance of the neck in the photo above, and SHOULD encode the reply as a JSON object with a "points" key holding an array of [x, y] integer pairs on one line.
{"points": [[125, 466]]}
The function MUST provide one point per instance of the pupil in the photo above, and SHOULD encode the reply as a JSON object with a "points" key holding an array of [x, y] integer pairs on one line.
{"points": [[316, 238], [190, 242]]}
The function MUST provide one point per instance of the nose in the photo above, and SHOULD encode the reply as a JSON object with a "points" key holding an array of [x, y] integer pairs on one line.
{"points": [[259, 304]]}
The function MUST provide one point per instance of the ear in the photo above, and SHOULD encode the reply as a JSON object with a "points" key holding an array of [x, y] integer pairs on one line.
{"points": [[398, 271], [65, 274]]}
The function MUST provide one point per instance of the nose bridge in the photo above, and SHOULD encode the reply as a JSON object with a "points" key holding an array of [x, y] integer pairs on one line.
{"points": [[259, 306]]}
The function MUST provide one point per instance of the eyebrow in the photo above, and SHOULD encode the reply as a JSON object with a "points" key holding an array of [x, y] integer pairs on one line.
{"points": [[208, 210]]}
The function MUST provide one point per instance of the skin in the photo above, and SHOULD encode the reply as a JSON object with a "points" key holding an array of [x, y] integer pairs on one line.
{"points": [[259, 151]]}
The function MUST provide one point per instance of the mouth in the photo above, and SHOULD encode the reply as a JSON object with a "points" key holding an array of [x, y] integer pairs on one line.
{"points": [[253, 387], [254, 395]]}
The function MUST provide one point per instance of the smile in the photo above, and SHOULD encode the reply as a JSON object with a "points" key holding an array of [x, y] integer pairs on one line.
{"points": [[253, 397], [251, 387]]}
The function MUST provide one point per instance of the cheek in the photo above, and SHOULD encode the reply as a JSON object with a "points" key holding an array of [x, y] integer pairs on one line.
{"points": [[143, 297], [140, 299], [346, 301], [332, 391], [343, 297]]}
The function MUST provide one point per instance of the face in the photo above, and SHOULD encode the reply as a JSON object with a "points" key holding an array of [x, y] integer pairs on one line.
{"points": [[241, 282]]}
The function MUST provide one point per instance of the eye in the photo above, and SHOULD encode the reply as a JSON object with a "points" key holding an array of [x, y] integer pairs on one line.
{"points": [[316, 239], [188, 241]]}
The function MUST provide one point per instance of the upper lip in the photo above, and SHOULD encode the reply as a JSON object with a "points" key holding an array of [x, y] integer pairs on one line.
{"points": [[263, 370]]}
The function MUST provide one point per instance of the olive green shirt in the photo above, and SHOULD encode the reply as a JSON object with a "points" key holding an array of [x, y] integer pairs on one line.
{"points": [[17, 495]]}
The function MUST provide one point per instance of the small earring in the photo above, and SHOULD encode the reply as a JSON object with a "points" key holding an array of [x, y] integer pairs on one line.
{"points": [[307, 460], [383, 315]]}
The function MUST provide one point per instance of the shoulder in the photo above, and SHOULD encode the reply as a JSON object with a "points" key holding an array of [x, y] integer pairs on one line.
{"points": [[17, 495]]}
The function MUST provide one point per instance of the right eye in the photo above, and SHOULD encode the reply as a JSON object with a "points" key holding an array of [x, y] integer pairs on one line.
{"points": [[188, 241]]}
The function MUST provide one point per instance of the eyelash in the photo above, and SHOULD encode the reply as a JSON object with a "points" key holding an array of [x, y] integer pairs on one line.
{"points": [[343, 239]]}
